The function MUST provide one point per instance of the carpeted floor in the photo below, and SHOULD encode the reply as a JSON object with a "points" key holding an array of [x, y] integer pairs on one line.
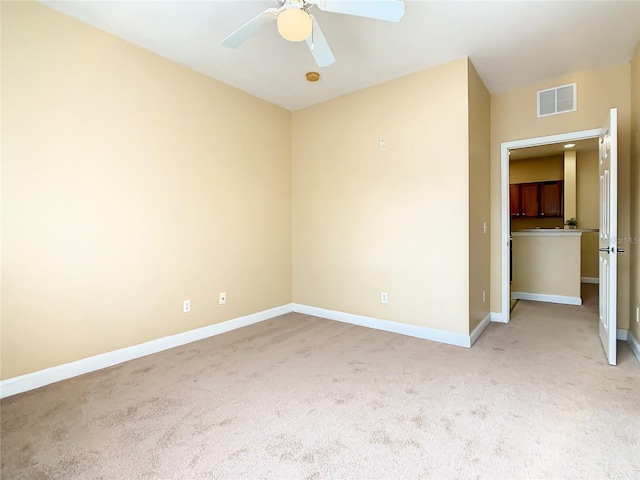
{"points": [[301, 397]]}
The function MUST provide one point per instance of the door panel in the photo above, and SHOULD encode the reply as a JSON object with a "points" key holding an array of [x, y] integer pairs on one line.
{"points": [[529, 205], [608, 171], [551, 199], [514, 200]]}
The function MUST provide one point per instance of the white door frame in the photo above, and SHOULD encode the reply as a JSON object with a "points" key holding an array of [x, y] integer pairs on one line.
{"points": [[504, 199]]}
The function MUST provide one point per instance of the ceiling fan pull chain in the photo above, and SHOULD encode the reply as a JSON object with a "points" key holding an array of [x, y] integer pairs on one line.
{"points": [[312, 47]]}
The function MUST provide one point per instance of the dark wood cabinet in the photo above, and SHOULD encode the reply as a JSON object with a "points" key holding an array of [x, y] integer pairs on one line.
{"points": [[529, 204], [551, 199], [539, 199], [514, 199]]}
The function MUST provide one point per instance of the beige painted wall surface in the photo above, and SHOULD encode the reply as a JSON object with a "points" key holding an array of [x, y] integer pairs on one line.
{"points": [[546, 264], [479, 197], [589, 263], [513, 117], [588, 207], [587, 190], [526, 223], [570, 186], [368, 219], [540, 169], [634, 242], [129, 184]]}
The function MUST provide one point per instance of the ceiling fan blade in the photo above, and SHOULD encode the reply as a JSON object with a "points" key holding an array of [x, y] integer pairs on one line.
{"points": [[389, 10], [319, 47], [247, 30]]}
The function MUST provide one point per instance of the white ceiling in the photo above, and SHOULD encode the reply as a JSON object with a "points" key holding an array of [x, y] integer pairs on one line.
{"points": [[510, 43]]}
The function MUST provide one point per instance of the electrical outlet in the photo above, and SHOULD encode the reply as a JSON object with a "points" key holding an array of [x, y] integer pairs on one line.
{"points": [[484, 296], [384, 298], [222, 299], [382, 142], [186, 306]]}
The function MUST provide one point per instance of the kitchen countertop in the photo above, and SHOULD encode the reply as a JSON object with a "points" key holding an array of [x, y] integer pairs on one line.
{"points": [[554, 231]]}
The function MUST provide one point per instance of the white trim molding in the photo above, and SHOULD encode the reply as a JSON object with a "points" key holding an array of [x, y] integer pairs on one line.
{"points": [[30, 381], [622, 334], [442, 336], [543, 297], [475, 334], [589, 280], [497, 317], [634, 344]]}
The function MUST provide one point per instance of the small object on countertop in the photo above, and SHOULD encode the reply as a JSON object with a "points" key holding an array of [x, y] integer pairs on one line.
{"points": [[572, 222]]}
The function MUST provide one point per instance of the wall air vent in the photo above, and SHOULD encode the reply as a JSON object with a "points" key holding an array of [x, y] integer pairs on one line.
{"points": [[557, 100]]}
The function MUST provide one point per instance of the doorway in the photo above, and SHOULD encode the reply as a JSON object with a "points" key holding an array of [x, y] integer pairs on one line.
{"points": [[505, 212]]}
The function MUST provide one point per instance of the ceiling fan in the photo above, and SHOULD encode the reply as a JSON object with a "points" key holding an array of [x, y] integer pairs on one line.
{"points": [[295, 23]]}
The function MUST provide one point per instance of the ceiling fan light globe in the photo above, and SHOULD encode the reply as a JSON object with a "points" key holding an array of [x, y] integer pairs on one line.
{"points": [[294, 24]]}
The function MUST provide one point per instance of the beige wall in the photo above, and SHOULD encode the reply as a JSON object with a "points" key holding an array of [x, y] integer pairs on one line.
{"points": [[589, 264], [570, 187], [479, 197], [546, 264], [520, 223], [129, 184], [588, 208], [588, 189], [634, 244], [368, 219], [540, 169], [513, 117]]}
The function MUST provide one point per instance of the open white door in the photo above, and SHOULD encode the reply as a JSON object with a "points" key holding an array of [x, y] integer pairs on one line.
{"points": [[609, 235]]}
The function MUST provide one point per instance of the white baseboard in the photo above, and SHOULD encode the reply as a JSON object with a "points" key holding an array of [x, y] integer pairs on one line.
{"points": [[442, 336], [24, 383], [622, 334], [634, 344], [497, 317], [479, 329], [589, 280], [543, 297]]}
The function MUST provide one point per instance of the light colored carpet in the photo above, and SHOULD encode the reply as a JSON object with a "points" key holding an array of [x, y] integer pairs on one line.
{"points": [[301, 397]]}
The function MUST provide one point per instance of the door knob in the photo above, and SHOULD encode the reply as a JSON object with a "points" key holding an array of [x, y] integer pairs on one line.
{"points": [[621, 250], [606, 249]]}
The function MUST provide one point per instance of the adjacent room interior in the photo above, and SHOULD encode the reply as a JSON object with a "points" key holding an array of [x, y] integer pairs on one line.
{"points": [[204, 280], [553, 192]]}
